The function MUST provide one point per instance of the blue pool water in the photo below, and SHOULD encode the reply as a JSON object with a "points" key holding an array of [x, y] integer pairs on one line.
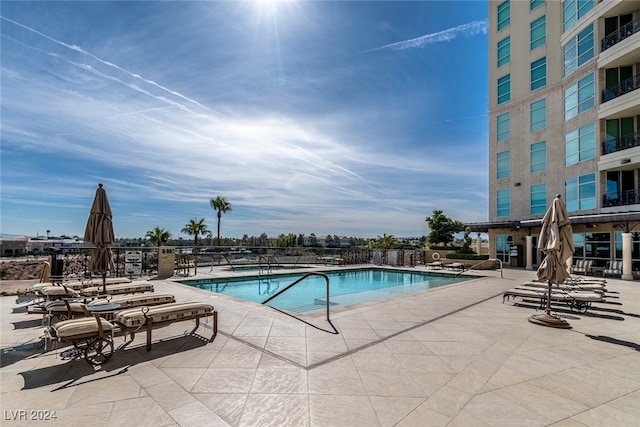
{"points": [[347, 287]]}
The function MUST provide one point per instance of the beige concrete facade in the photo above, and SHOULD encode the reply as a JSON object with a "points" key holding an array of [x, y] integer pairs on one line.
{"points": [[617, 202]]}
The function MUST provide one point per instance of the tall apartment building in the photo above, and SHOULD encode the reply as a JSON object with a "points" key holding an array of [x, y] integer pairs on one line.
{"points": [[564, 117]]}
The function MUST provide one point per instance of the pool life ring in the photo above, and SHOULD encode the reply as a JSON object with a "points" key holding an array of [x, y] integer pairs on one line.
{"points": [[435, 256]]}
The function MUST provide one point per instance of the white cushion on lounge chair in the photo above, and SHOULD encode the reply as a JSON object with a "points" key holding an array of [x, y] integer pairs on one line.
{"points": [[133, 317], [58, 291], [568, 287], [136, 300], [123, 288], [559, 294], [83, 328]]}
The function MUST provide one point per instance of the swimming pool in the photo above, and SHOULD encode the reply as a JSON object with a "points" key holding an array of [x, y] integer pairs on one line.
{"points": [[347, 287]]}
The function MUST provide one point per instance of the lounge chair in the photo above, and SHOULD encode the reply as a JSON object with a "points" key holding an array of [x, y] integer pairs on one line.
{"points": [[579, 301], [119, 289], [436, 265], [455, 266], [93, 336], [64, 310], [79, 284], [575, 286]]}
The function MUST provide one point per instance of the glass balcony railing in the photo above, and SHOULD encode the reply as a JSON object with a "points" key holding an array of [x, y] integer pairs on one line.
{"points": [[618, 144], [626, 86], [620, 34], [623, 198]]}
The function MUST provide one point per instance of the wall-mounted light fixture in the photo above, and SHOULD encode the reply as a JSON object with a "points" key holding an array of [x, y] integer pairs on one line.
{"points": [[625, 161], [517, 184]]}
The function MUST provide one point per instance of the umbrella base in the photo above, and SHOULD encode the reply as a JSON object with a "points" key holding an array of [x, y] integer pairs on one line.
{"points": [[550, 321]]}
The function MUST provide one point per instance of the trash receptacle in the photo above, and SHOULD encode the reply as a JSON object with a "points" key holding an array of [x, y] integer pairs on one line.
{"points": [[57, 267], [513, 256]]}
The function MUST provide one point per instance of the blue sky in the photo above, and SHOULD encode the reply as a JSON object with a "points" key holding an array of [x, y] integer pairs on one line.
{"points": [[349, 118]]}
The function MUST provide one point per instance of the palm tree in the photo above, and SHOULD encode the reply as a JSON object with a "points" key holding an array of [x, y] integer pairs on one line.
{"points": [[220, 205], [158, 236], [195, 228]]}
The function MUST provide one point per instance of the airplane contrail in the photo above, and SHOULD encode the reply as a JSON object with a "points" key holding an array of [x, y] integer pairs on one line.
{"points": [[110, 64], [468, 29]]}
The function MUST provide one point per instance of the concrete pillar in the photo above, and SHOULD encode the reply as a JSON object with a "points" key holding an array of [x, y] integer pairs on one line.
{"points": [[166, 262], [529, 252], [627, 273]]}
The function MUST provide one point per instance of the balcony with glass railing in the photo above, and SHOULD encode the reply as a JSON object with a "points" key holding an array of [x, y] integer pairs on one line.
{"points": [[620, 34], [622, 198], [614, 145]]}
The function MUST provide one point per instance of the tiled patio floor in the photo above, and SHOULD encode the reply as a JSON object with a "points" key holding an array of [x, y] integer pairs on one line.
{"points": [[451, 356]]}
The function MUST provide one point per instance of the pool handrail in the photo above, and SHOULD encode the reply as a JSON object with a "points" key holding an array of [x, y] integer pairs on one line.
{"points": [[268, 259], [480, 263], [313, 273], [220, 253]]}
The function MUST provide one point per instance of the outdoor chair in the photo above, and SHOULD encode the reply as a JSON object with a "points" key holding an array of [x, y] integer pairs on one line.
{"points": [[579, 301], [583, 266], [92, 337], [591, 287], [64, 310], [614, 268], [183, 266]]}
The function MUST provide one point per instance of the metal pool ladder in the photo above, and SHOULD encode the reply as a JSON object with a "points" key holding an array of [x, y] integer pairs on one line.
{"points": [[313, 273]]}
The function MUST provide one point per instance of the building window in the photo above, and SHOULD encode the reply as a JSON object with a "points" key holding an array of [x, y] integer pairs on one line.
{"points": [[621, 189], [539, 157], [504, 202], [503, 246], [538, 115], [539, 73], [534, 4], [616, 130], [504, 89], [504, 165], [504, 15], [538, 32], [617, 82], [579, 97], [574, 10], [580, 145], [504, 127], [593, 246], [504, 51], [578, 50], [538, 199], [581, 192]]}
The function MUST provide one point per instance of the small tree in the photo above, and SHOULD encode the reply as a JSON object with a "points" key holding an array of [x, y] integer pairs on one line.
{"points": [[442, 228], [466, 241], [385, 242], [158, 236], [195, 228]]}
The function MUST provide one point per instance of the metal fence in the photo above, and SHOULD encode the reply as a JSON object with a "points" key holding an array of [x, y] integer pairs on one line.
{"points": [[135, 262]]}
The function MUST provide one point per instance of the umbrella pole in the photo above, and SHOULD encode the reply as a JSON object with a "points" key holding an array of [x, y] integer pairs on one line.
{"points": [[548, 319], [104, 282], [549, 299]]}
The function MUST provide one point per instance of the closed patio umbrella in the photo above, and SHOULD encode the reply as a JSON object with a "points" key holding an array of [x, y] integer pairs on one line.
{"points": [[556, 242], [99, 231], [45, 276]]}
